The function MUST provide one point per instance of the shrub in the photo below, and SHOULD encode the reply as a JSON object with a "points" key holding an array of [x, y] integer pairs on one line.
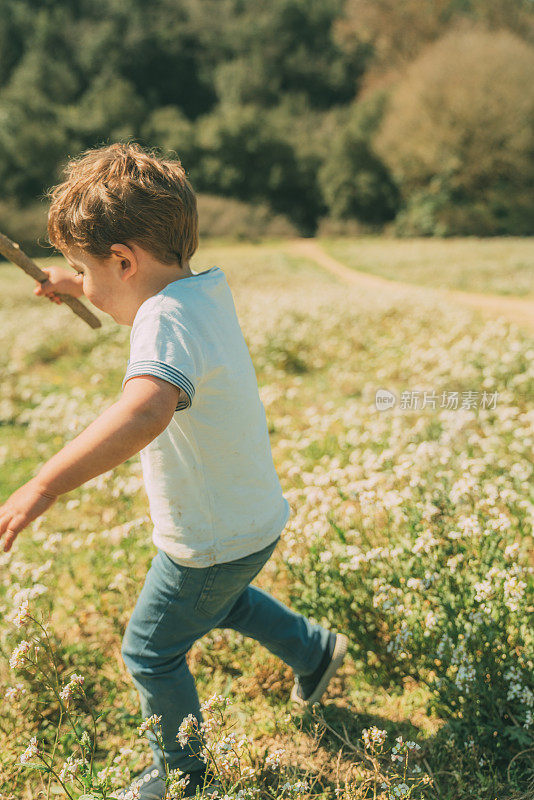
{"points": [[244, 156], [329, 226], [222, 216], [458, 134], [354, 181], [25, 225]]}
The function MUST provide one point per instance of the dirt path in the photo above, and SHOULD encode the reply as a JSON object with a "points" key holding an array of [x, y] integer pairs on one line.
{"points": [[512, 309]]}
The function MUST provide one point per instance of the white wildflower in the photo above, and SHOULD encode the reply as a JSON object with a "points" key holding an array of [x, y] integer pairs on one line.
{"points": [[30, 751], [188, 726], [18, 655], [23, 614], [216, 701], [148, 723], [273, 759], [68, 691], [373, 736], [14, 693]]}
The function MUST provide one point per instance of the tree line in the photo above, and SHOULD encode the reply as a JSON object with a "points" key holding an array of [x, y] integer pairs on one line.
{"points": [[408, 114]]}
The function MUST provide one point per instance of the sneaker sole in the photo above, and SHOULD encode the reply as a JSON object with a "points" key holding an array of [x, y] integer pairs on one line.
{"points": [[340, 651]]}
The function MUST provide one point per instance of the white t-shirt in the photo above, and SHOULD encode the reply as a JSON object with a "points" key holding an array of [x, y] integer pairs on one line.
{"points": [[212, 487]]}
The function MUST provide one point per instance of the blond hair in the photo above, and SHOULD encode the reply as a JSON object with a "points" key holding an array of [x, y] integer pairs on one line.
{"points": [[123, 193]]}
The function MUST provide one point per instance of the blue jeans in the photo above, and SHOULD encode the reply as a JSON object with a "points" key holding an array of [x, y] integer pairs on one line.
{"points": [[179, 605]]}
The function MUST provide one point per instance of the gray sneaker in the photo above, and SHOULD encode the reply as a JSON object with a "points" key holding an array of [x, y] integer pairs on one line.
{"points": [[309, 689], [150, 785]]}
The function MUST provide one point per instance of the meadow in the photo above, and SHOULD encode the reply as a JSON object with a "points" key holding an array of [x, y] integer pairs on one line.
{"points": [[411, 531], [500, 265]]}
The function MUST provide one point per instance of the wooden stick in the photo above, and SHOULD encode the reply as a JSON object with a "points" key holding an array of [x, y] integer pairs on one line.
{"points": [[11, 250]]}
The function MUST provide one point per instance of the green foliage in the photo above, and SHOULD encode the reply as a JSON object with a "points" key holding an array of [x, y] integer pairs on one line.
{"points": [[447, 601], [285, 47], [109, 109], [458, 136], [275, 104], [168, 127], [435, 212], [243, 156], [369, 490], [356, 183], [32, 143], [224, 217]]}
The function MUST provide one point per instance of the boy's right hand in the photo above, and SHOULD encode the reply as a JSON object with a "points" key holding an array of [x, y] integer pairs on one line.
{"points": [[60, 281]]}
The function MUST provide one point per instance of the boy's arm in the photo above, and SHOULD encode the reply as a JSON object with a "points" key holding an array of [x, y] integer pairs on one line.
{"points": [[144, 410]]}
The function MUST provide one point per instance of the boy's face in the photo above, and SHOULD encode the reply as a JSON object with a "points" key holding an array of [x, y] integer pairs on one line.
{"points": [[101, 280], [120, 283]]}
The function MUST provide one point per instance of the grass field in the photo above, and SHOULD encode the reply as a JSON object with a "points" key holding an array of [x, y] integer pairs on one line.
{"points": [[411, 531], [493, 266]]}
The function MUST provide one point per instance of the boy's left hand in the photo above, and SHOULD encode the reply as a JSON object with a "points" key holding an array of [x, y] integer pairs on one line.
{"points": [[24, 505]]}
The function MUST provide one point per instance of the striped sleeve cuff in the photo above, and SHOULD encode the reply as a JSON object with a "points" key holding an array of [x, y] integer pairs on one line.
{"points": [[162, 370]]}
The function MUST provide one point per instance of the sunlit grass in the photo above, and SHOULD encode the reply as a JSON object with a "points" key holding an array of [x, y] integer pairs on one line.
{"points": [[320, 352], [491, 266]]}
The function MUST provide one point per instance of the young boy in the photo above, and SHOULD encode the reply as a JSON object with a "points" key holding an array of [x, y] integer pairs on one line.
{"points": [[127, 221]]}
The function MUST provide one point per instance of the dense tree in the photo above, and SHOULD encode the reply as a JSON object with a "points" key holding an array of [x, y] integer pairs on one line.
{"points": [[109, 108], [459, 133], [276, 103], [241, 155], [277, 48], [398, 31], [32, 143], [11, 39], [168, 128], [355, 182], [153, 45]]}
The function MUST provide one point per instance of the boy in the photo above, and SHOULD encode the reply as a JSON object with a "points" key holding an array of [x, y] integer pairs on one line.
{"points": [[127, 221]]}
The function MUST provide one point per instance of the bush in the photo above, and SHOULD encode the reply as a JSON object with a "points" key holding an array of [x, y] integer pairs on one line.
{"points": [[219, 216], [222, 216], [433, 213], [243, 156], [26, 225], [33, 140], [467, 636], [328, 226], [354, 182], [458, 134], [169, 129]]}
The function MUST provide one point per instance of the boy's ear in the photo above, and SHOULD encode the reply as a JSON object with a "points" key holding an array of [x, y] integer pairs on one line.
{"points": [[127, 257]]}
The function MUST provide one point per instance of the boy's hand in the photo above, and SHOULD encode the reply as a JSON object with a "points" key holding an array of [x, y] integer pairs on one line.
{"points": [[61, 281], [24, 505]]}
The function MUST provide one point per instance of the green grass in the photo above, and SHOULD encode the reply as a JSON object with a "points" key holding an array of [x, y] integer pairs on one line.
{"points": [[491, 266], [320, 352]]}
